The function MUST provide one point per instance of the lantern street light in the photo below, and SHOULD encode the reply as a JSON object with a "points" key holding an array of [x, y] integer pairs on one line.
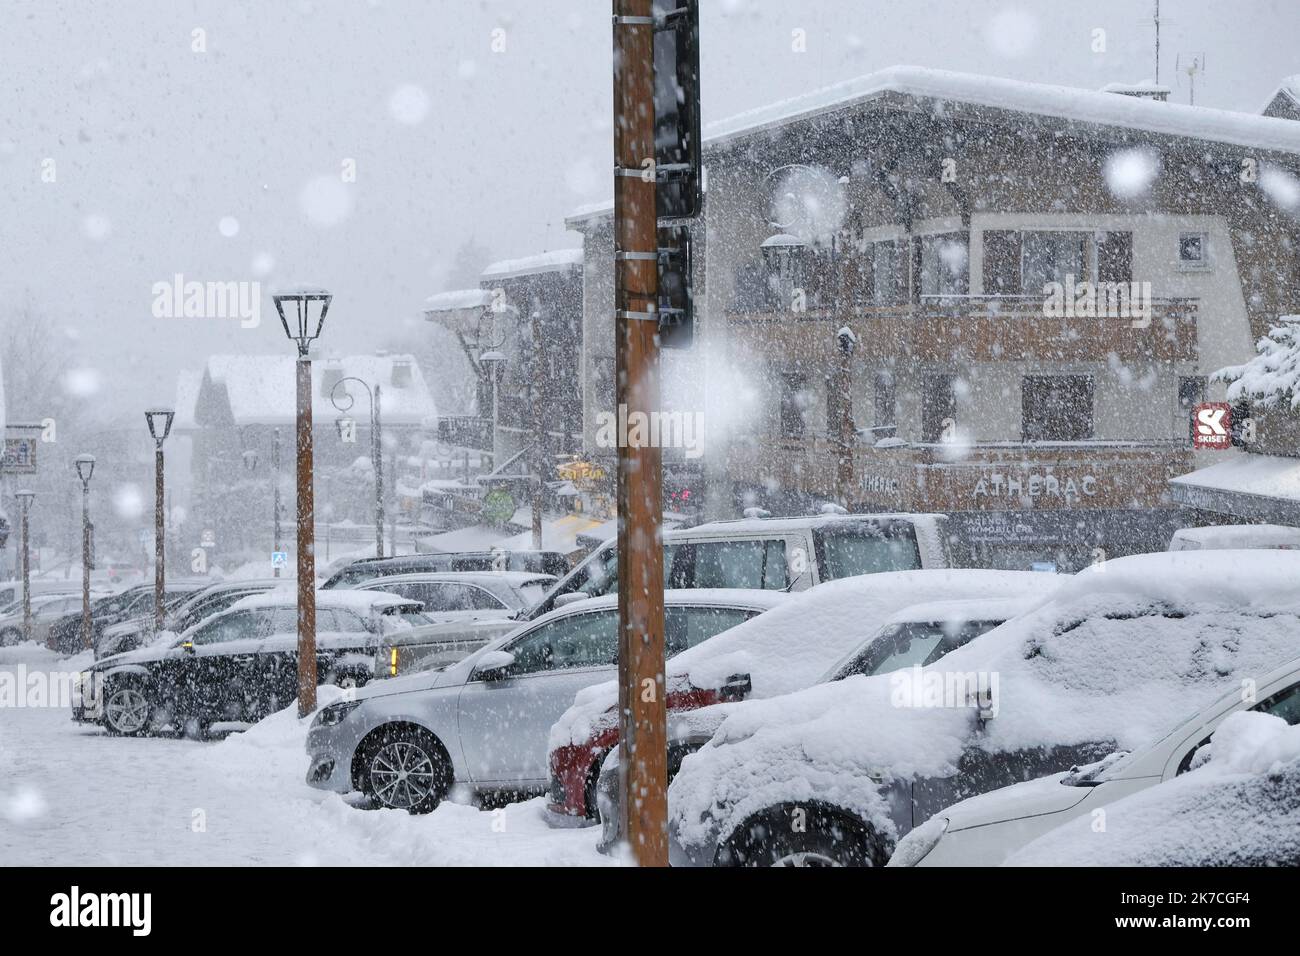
{"points": [[85, 468], [160, 426], [306, 308], [25, 502], [494, 361], [376, 449]]}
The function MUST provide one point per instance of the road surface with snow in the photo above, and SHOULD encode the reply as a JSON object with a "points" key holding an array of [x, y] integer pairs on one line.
{"points": [[71, 794]]}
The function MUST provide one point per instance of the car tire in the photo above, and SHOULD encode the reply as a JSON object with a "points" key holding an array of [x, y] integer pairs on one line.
{"points": [[128, 712], [803, 836], [10, 636], [404, 767]]}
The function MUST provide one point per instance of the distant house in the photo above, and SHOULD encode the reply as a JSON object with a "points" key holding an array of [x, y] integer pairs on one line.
{"points": [[236, 407], [1285, 101]]}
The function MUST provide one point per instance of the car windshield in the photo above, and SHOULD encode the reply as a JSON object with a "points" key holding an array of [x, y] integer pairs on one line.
{"points": [[914, 643]]}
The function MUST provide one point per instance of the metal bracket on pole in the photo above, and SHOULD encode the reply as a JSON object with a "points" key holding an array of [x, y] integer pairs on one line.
{"points": [[651, 316], [638, 256], [634, 21], [636, 172]]}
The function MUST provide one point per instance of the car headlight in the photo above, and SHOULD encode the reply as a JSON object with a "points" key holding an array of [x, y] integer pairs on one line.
{"points": [[335, 713], [914, 847]]}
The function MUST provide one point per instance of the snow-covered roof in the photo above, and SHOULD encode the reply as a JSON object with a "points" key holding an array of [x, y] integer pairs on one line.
{"points": [[260, 389], [782, 239], [557, 260], [1226, 537], [590, 211], [1288, 88], [458, 299], [1265, 476], [1142, 88], [1086, 107]]}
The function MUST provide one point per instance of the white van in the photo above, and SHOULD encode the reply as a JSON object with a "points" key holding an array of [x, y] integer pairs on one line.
{"points": [[1224, 537], [771, 554]]}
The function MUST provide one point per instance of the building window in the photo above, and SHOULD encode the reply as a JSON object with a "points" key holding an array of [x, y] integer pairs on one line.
{"points": [[874, 274], [1191, 392], [401, 374], [793, 399], [938, 406], [1057, 408], [1193, 250], [1050, 257], [944, 265], [885, 423]]}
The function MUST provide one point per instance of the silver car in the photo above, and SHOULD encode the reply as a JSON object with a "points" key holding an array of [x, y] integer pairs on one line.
{"points": [[484, 720]]}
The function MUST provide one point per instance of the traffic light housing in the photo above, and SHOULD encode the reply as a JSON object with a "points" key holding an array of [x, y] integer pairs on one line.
{"points": [[676, 305], [677, 108]]}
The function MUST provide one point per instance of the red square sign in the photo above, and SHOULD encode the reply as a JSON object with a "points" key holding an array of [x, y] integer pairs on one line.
{"points": [[1212, 425]]}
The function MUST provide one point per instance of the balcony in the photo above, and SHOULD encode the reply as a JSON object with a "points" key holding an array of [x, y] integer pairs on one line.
{"points": [[989, 476], [975, 329]]}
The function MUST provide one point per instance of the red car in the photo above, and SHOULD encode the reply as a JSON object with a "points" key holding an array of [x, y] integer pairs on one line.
{"points": [[575, 767]]}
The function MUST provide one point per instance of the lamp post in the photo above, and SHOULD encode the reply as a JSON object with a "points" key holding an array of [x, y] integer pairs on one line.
{"points": [[25, 502], [275, 481], [494, 361], [160, 426], [376, 451], [85, 468], [302, 313], [846, 342]]}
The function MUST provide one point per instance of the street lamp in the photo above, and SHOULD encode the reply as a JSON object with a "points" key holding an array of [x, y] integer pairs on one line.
{"points": [[376, 451], [85, 468], [25, 502], [494, 361], [160, 426], [307, 308]]}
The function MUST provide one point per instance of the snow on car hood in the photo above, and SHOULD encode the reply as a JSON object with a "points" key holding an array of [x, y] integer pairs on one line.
{"points": [[1240, 808], [1120, 653], [793, 645]]}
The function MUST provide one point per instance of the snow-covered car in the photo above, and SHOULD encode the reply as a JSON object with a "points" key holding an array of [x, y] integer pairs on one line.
{"points": [[135, 603], [793, 647], [483, 721], [1239, 807], [182, 614], [838, 773], [985, 830], [1236, 537], [46, 609], [463, 599], [239, 665]]}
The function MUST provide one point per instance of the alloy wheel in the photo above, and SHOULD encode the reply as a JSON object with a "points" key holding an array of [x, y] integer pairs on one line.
{"points": [[402, 774]]}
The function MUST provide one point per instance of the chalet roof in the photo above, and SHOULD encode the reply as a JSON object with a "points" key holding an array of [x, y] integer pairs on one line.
{"points": [[557, 260], [259, 389], [1084, 108], [457, 299]]}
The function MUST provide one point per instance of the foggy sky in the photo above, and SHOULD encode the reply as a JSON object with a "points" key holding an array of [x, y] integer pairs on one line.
{"points": [[155, 144]]}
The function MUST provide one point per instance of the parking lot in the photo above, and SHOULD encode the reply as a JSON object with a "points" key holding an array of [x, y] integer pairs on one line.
{"points": [[72, 794]]}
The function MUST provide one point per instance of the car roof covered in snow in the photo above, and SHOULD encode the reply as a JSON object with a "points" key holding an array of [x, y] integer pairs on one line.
{"points": [[974, 609], [797, 523], [1234, 536], [355, 600], [793, 646], [1123, 651], [512, 578]]}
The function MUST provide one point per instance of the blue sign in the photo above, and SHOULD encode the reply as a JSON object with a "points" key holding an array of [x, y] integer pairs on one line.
{"points": [[279, 559]]}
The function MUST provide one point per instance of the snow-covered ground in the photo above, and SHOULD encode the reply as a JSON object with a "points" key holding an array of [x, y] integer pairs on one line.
{"points": [[70, 794]]}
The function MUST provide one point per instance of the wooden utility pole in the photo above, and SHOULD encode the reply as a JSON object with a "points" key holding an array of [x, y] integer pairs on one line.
{"points": [[306, 546], [643, 770], [845, 437]]}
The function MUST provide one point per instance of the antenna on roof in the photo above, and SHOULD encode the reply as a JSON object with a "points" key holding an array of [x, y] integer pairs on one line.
{"points": [[1191, 64]]}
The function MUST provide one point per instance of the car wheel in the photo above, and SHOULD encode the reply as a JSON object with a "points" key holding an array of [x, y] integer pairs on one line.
{"points": [[10, 636], [405, 768], [803, 836], [127, 710]]}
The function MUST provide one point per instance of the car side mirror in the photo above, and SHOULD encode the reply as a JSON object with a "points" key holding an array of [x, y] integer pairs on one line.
{"points": [[493, 666], [573, 597], [737, 687]]}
